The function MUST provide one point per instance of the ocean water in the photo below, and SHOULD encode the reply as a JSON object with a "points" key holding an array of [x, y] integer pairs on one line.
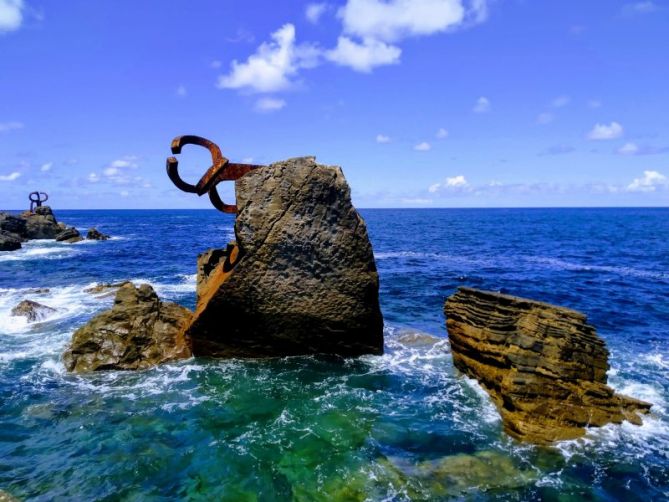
{"points": [[402, 426]]}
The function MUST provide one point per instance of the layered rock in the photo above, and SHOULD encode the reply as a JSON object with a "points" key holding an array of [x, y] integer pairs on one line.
{"points": [[138, 332], [300, 278], [32, 311], [544, 366]]}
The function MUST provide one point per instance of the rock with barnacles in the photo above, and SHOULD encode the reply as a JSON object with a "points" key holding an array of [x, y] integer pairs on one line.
{"points": [[544, 366], [301, 276]]}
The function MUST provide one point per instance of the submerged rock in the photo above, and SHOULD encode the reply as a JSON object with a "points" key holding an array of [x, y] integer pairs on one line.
{"points": [[95, 235], [138, 332], [70, 235], [543, 365], [9, 241], [32, 311], [105, 287], [301, 277], [6, 497]]}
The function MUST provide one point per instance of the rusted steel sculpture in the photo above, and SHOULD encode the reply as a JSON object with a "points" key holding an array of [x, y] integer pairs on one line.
{"points": [[221, 170], [36, 199]]}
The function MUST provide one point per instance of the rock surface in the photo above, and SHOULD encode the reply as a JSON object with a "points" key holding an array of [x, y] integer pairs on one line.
{"points": [[9, 241], [13, 224], [94, 234], [105, 288], [138, 332], [41, 224], [32, 311], [544, 366], [301, 277], [70, 235]]}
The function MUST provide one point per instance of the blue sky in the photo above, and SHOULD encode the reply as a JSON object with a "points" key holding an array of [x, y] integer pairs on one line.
{"points": [[424, 103]]}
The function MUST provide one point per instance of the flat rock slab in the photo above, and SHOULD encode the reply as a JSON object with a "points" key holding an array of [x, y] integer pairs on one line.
{"points": [[301, 276], [544, 366], [138, 332]]}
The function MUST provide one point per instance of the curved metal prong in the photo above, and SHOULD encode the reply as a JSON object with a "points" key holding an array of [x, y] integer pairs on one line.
{"points": [[172, 167], [190, 139], [218, 202]]}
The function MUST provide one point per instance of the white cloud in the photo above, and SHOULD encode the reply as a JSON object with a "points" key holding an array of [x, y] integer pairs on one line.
{"points": [[650, 181], [602, 131], [46, 167], [482, 105], [314, 11], [116, 171], [381, 138], [10, 177], [456, 183], [363, 57], [560, 101], [93, 177], [111, 171], [642, 7], [442, 133], [11, 16], [269, 105], [545, 118], [10, 126], [182, 91], [422, 147], [273, 65], [628, 149], [124, 193], [393, 20]]}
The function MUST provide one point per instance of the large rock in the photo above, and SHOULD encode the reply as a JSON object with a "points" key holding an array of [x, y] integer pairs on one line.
{"points": [[70, 235], [301, 277], [9, 241], [32, 311], [41, 224], [13, 224], [138, 332], [95, 235], [544, 366]]}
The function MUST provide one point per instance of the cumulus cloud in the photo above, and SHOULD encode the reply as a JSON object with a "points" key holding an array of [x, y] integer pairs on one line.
{"points": [[274, 64], [381, 138], [603, 132], [482, 105], [422, 147], [46, 167], [315, 11], [441, 133], [117, 170], [456, 183], [650, 182], [10, 177], [265, 105], [365, 56], [628, 149], [10, 126], [93, 177], [11, 15]]}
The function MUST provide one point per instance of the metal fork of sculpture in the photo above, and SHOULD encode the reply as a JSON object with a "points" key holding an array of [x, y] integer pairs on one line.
{"points": [[36, 199], [220, 170]]}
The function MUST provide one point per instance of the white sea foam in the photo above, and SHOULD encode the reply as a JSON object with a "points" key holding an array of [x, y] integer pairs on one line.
{"points": [[39, 250]]}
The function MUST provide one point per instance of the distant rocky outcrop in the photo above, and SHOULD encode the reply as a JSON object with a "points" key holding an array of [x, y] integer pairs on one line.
{"points": [[301, 277], [544, 366], [138, 332], [69, 235], [95, 235], [32, 311], [41, 224]]}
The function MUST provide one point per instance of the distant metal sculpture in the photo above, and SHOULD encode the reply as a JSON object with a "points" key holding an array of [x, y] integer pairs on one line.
{"points": [[36, 199], [221, 170]]}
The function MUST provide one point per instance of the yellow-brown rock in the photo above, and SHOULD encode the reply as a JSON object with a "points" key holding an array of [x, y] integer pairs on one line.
{"points": [[544, 366]]}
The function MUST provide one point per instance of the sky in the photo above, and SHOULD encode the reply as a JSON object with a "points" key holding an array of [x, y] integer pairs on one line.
{"points": [[424, 103]]}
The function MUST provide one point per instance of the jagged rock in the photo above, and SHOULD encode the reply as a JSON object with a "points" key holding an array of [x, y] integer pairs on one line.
{"points": [[95, 235], [41, 224], [543, 365], [301, 277], [32, 311], [138, 332], [70, 235], [9, 241], [105, 287], [13, 224]]}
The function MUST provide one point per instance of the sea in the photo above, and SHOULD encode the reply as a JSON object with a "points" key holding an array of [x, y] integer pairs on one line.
{"points": [[402, 426]]}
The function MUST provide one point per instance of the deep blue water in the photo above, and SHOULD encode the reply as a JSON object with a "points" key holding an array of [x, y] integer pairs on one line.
{"points": [[402, 426]]}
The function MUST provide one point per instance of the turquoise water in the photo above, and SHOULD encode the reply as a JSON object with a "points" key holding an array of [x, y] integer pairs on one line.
{"points": [[402, 426]]}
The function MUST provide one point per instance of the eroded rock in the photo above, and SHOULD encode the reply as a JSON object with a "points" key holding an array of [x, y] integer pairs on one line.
{"points": [[69, 235], [138, 332], [301, 277], [105, 287], [543, 365], [41, 224], [32, 311]]}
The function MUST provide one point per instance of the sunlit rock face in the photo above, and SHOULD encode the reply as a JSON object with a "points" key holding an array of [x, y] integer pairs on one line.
{"points": [[301, 277], [543, 365]]}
